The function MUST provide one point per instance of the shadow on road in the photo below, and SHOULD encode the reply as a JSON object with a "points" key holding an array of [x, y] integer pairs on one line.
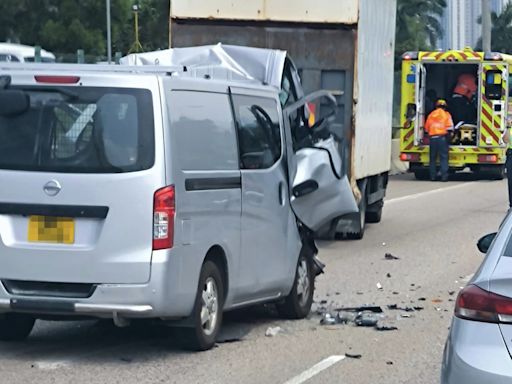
{"points": [[100, 341]]}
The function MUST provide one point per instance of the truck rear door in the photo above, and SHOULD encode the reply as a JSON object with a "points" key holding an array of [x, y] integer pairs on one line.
{"points": [[493, 109], [421, 80]]}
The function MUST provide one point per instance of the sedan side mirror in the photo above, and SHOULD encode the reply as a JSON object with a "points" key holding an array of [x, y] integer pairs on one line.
{"points": [[485, 242]]}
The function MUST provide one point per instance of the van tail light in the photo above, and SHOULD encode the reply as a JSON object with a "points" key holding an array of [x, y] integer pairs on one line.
{"points": [[474, 303], [57, 79], [487, 158], [410, 157], [164, 210]]}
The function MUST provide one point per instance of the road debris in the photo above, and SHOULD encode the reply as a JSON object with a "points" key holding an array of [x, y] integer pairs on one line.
{"points": [[389, 362], [369, 308], [389, 256], [273, 331], [353, 356], [384, 328], [379, 286], [345, 317], [366, 319], [327, 319], [388, 275], [437, 301]]}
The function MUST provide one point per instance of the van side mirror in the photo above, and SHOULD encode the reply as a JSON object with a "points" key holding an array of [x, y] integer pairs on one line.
{"points": [[485, 242]]}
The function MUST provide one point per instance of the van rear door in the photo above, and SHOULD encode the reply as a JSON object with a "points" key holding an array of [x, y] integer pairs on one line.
{"points": [[79, 168]]}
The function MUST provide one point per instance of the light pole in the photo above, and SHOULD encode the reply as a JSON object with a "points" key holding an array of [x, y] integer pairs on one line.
{"points": [[109, 35], [136, 46], [486, 26]]}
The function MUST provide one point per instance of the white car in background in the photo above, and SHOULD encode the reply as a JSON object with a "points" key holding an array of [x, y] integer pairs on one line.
{"points": [[23, 53]]}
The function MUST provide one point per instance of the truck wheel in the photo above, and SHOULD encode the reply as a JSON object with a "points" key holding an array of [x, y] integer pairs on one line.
{"points": [[207, 312], [297, 304], [374, 212], [422, 174], [15, 326], [498, 173], [360, 220]]}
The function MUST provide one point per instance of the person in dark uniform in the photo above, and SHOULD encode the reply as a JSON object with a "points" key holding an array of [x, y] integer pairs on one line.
{"points": [[462, 105]]}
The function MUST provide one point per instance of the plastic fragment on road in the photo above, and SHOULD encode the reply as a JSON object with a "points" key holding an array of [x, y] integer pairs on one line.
{"points": [[273, 331], [384, 328], [366, 319], [379, 286], [389, 256], [369, 308], [327, 319]]}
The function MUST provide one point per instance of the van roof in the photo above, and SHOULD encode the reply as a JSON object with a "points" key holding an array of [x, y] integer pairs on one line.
{"points": [[180, 73], [23, 50]]}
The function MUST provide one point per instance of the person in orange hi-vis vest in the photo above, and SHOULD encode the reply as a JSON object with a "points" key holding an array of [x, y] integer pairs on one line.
{"points": [[439, 127]]}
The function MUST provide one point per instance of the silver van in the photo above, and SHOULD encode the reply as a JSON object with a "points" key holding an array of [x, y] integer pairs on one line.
{"points": [[144, 192]]}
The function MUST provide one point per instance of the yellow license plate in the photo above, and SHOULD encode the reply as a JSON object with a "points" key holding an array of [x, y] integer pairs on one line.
{"points": [[47, 229]]}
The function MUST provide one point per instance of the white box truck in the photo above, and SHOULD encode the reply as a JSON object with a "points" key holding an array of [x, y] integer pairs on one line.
{"points": [[345, 46]]}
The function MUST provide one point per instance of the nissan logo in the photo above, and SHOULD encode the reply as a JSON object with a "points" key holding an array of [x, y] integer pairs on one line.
{"points": [[52, 188]]}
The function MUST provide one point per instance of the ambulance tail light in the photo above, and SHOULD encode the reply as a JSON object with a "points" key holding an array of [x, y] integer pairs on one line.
{"points": [[487, 158], [494, 56], [414, 157], [410, 55]]}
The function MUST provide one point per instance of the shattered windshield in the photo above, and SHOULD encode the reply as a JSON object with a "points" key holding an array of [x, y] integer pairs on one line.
{"points": [[85, 130]]}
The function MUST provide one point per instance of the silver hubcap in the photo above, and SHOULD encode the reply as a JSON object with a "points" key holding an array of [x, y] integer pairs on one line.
{"points": [[303, 285], [210, 306]]}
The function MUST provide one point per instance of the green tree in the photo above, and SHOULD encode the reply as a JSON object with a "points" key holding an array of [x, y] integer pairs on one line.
{"points": [[154, 24], [63, 26], [501, 34], [418, 27]]}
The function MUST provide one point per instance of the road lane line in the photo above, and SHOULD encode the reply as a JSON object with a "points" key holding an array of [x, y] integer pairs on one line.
{"points": [[315, 369], [426, 193]]}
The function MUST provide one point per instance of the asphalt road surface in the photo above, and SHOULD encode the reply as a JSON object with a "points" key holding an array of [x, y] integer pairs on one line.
{"points": [[431, 227]]}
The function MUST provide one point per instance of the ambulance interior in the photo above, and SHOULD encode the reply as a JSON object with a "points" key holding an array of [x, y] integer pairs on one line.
{"points": [[443, 81]]}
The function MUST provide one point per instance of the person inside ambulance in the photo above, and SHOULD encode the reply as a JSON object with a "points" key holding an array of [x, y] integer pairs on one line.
{"points": [[439, 126], [462, 103]]}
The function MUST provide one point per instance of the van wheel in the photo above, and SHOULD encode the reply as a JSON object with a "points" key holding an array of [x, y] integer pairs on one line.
{"points": [[207, 312], [297, 304], [15, 326]]}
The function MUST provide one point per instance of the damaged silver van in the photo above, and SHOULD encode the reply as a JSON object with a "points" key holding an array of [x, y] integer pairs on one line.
{"points": [[156, 192]]}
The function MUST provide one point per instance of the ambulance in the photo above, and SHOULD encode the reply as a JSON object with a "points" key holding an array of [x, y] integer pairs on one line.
{"points": [[477, 141]]}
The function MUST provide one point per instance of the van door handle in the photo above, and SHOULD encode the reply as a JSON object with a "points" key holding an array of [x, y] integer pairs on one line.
{"points": [[282, 196]]}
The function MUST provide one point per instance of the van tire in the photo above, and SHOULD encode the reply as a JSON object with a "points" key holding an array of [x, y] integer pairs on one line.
{"points": [[297, 304], [15, 326], [210, 287]]}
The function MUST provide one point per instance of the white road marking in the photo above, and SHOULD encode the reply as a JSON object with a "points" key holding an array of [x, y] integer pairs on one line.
{"points": [[315, 369], [51, 365], [427, 193]]}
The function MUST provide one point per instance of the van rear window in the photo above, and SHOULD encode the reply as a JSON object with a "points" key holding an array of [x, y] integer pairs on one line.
{"points": [[79, 130]]}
